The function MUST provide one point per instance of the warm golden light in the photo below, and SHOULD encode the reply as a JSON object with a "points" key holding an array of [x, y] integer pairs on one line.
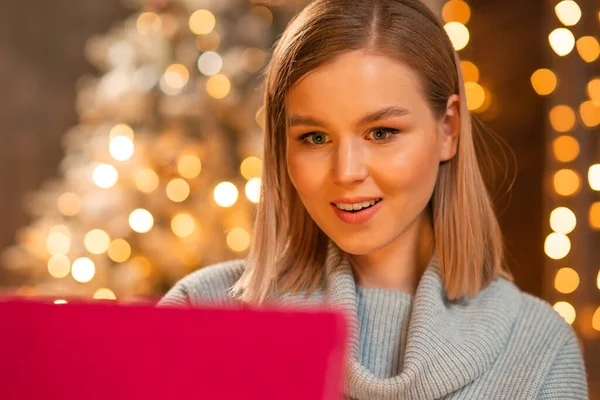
{"points": [[59, 266], [590, 113], [121, 130], [456, 11], [596, 318], [566, 280], [210, 63], [146, 180], [588, 48], [60, 228], [470, 71], [68, 204], [105, 176], [562, 41], [83, 270], [178, 190], [96, 241], [238, 239], [566, 182], [566, 148], [218, 86], [543, 81], [562, 118], [594, 177], [566, 310], [458, 34], [202, 22], [225, 194], [563, 220], [251, 167], [177, 76], [58, 243], [119, 250], [104, 294], [593, 89], [475, 95], [121, 148], [557, 246], [594, 217], [141, 220], [60, 301], [189, 166], [183, 225], [253, 190], [568, 12], [264, 13], [148, 23]]}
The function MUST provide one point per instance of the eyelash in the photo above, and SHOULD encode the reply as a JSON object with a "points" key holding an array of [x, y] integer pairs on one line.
{"points": [[391, 131]]}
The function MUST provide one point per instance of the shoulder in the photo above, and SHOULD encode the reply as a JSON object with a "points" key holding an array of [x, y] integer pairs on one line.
{"points": [[209, 284]]}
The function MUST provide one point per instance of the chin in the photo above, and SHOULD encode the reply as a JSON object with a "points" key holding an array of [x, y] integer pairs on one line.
{"points": [[356, 245]]}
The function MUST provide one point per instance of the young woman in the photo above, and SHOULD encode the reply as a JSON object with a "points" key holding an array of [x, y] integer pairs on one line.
{"points": [[372, 200]]}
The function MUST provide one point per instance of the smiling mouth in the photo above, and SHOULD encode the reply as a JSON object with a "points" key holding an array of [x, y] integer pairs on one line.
{"points": [[356, 208]]}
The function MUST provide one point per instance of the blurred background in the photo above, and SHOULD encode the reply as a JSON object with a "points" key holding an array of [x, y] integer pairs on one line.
{"points": [[131, 133]]}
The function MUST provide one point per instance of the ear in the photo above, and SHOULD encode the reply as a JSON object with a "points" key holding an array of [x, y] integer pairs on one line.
{"points": [[449, 128]]}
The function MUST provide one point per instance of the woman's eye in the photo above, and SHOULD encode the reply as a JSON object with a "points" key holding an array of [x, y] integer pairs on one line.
{"points": [[317, 138], [381, 134]]}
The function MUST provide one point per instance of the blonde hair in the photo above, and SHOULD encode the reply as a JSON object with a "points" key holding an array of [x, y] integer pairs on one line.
{"points": [[288, 249]]}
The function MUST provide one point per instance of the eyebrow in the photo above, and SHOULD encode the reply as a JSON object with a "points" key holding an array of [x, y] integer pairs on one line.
{"points": [[384, 113]]}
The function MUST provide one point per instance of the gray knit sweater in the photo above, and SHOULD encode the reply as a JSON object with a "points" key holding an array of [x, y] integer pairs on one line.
{"points": [[503, 344]]}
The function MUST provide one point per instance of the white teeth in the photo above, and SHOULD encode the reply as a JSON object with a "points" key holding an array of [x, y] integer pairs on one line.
{"points": [[357, 206]]}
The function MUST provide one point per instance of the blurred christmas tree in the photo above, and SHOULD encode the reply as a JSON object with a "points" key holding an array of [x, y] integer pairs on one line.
{"points": [[169, 133]]}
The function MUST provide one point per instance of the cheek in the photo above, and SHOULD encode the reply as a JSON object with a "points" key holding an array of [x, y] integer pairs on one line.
{"points": [[306, 173]]}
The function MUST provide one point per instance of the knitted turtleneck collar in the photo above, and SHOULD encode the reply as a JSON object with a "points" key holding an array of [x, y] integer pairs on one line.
{"points": [[449, 344]]}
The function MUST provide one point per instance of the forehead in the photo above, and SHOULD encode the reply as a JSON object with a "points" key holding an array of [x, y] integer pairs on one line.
{"points": [[356, 80]]}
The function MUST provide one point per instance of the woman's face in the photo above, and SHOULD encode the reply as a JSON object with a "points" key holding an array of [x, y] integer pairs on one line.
{"points": [[359, 129]]}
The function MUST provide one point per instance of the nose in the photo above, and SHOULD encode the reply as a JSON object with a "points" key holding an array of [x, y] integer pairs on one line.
{"points": [[350, 163]]}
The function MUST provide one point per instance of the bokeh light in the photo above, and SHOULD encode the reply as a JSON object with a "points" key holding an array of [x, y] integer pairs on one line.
{"points": [[105, 176], [588, 48], [68, 204], [594, 216], [568, 12], [251, 167], [210, 63], [594, 177], [96, 241], [189, 166], [458, 34], [238, 239], [566, 280], [183, 225], [596, 318], [104, 294], [121, 130], [121, 148], [456, 11], [218, 86], [83, 270], [475, 95], [58, 243], [146, 180], [225, 194], [590, 113], [557, 246], [148, 23], [202, 22], [563, 220], [567, 182], [565, 310], [566, 148], [59, 266], [562, 41], [141, 221], [119, 250], [253, 190], [593, 89], [562, 118], [543, 81], [470, 71], [178, 190]]}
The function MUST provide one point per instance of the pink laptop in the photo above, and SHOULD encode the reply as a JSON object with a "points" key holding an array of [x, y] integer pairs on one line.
{"points": [[107, 351]]}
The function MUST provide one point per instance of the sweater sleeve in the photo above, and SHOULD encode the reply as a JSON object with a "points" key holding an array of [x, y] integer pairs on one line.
{"points": [[177, 296], [567, 377]]}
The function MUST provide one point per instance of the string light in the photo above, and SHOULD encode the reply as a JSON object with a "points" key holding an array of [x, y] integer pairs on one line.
{"points": [[119, 250], [470, 71], [562, 41], [83, 270], [566, 280], [594, 177], [253, 190], [68, 204], [562, 118], [590, 113], [210, 63], [121, 130], [557, 246], [141, 221], [104, 294], [148, 23], [596, 318], [105, 176], [568, 12], [566, 148], [189, 166], [594, 216], [563, 220], [544, 81], [183, 225], [121, 148], [202, 22], [565, 310], [146, 180], [218, 86], [566, 182], [58, 243], [60, 301], [456, 10], [458, 34], [178, 190], [251, 167], [588, 48], [96, 241], [238, 239], [59, 266]]}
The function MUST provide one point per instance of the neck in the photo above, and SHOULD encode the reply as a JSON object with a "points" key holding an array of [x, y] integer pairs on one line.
{"points": [[400, 264]]}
